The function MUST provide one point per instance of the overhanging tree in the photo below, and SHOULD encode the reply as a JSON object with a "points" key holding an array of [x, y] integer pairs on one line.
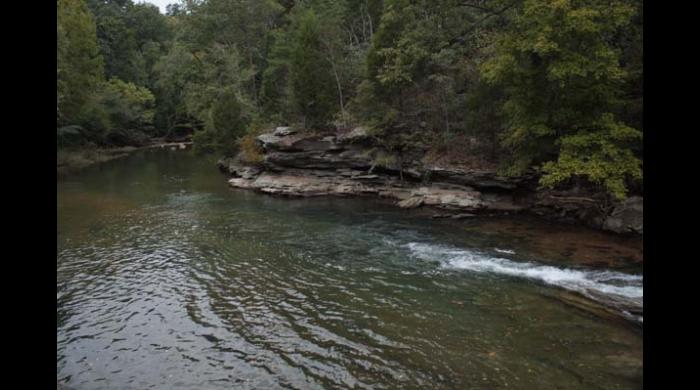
{"points": [[560, 70]]}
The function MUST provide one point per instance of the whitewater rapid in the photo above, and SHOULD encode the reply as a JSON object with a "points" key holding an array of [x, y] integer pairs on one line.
{"points": [[612, 288]]}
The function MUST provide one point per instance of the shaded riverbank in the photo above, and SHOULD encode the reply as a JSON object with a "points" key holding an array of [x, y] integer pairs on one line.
{"points": [[71, 160]]}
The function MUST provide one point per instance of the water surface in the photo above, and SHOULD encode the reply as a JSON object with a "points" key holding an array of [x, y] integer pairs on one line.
{"points": [[168, 279]]}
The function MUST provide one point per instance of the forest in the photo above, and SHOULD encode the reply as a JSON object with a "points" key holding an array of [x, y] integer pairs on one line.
{"points": [[550, 86]]}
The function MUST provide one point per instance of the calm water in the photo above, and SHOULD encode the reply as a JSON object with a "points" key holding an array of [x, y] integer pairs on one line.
{"points": [[168, 279]]}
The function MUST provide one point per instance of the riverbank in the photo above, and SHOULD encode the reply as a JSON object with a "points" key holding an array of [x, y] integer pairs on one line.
{"points": [[353, 164], [71, 160]]}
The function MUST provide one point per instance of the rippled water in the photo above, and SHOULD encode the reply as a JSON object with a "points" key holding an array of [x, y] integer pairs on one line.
{"points": [[168, 279]]}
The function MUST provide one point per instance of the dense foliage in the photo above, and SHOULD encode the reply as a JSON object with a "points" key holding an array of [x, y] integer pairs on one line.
{"points": [[106, 56], [549, 85], [79, 70]]}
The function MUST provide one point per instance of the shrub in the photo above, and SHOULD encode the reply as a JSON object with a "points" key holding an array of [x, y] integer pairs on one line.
{"points": [[251, 152]]}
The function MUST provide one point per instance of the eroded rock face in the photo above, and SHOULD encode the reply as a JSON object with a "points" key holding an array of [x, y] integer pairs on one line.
{"points": [[307, 183], [350, 164], [476, 178], [275, 142], [356, 135], [319, 159], [238, 170], [411, 203], [627, 217], [294, 184], [450, 198]]}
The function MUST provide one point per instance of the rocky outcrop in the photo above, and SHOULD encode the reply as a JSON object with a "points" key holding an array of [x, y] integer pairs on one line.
{"points": [[351, 164], [627, 217], [309, 183]]}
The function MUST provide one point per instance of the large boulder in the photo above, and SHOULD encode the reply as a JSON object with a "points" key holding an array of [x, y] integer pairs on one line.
{"points": [[284, 131], [289, 142], [285, 143], [627, 217]]}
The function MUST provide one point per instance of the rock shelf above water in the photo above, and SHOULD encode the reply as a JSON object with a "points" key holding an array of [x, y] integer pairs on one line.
{"points": [[351, 164]]}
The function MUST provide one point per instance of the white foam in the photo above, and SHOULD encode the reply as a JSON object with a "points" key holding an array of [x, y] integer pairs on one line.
{"points": [[615, 286]]}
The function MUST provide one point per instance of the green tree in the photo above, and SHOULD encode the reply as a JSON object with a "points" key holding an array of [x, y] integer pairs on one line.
{"points": [[420, 67], [562, 78], [79, 64], [242, 25], [129, 105], [201, 85], [174, 73], [275, 90], [117, 40], [118, 113], [313, 85], [225, 125], [343, 29], [131, 37]]}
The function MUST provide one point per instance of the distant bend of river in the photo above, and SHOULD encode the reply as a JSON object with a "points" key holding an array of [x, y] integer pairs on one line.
{"points": [[168, 279]]}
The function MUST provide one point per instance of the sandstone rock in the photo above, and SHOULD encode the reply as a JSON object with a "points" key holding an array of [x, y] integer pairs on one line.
{"points": [[349, 164], [314, 144], [272, 142], [284, 131], [241, 183], [236, 169], [364, 177], [318, 160], [355, 135], [411, 203], [627, 217], [321, 173], [475, 178], [392, 193], [463, 216], [293, 185], [447, 198], [268, 139], [249, 172]]}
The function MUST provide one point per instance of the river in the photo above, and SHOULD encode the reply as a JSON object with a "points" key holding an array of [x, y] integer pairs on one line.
{"points": [[169, 279]]}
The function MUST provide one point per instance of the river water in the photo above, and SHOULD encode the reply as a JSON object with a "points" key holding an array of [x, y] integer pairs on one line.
{"points": [[169, 279]]}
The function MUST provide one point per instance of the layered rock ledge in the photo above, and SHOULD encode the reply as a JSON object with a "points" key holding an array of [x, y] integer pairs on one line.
{"points": [[352, 164]]}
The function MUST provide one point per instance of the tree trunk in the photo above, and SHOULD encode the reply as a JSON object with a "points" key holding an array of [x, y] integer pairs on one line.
{"points": [[340, 94], [331, 60]]}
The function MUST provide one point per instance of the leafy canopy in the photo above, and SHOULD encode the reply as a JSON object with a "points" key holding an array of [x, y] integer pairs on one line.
{"points": [[562, 78]]}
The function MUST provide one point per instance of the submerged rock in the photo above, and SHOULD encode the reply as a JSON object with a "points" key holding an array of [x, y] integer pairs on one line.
{"points": [[463, 216]]}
